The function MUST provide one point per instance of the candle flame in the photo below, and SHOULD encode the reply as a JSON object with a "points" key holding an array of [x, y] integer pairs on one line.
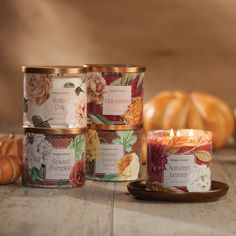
{"points": [[172, 134], [191, 133], [178, 133]]}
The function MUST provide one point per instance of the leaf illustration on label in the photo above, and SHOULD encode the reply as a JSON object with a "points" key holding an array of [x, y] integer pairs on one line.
{"points": [[172, 151], [39, 122], [79, 145], [140, 80], [159, 187], [69, 85], [98, 119], [26, 107], [116, 82], [79, 90], [111, 177], [204, 156], [128, 78], [126, 138], [36, 174]]}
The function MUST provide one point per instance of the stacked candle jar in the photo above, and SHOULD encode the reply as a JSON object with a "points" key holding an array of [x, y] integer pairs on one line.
{"points": [[115, 108], [55, 126]]}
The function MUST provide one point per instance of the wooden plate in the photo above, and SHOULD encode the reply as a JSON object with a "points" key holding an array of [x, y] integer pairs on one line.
{"points": [[138, 189]]}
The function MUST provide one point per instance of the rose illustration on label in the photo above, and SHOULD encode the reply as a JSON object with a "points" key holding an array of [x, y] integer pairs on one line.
{"points": [[201, 179], [77, 176], [55, 101], [96, 87], [38, 87], [54, 160], [36, 153], [77, 113]]}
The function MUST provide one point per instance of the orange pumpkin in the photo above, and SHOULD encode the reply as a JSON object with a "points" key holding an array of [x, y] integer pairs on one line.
{"points": [[10, 169], [11, 145], [196, 110]]}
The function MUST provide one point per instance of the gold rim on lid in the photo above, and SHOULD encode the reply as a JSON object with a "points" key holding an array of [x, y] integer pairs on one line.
{"points": [[115, 127], [114, 68], [55, 131], [54, 69]]}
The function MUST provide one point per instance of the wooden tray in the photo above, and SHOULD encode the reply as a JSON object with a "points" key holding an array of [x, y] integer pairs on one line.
{"points": [[138, 189]]}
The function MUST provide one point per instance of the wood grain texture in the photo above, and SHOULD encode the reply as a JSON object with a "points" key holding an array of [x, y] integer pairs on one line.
{"points": [[32, 211], [107, 209], [136, 217]]}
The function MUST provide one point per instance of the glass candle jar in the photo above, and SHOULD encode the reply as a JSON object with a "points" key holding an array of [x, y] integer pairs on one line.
{"points": [[115, 94], [55, 97], [179, 160], [113, 153], [54, 157]]}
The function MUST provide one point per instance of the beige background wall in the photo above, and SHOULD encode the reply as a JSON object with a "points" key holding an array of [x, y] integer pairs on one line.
{"points": [[184, 44]]}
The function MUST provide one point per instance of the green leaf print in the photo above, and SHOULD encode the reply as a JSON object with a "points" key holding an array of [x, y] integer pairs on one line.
{"points": [[36, 174], [111, 177], [79, 145], [79, 90], [141, 75], [126, 79], [98, 119], [69, 85], [39, 122], [126, 138]]}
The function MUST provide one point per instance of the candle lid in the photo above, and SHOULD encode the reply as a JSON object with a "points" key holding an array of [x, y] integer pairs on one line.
{"points": [[114, 68], [55, 131], [115, 127], [54, 69]]}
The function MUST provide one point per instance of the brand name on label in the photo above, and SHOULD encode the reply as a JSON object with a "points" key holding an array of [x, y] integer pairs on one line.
{"points": [[123, 101]]}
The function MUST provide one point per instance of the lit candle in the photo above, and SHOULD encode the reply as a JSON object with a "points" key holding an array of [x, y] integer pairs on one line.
{"points": [[179, 160]]}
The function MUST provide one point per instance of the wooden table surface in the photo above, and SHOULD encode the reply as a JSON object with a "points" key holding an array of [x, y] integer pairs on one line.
{"points": [[101, 208]]}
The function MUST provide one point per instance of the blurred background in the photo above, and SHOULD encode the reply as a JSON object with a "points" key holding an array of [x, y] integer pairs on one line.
{"points": [[189, 45]]}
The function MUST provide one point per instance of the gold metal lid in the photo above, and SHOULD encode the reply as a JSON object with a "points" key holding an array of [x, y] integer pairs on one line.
{"points": [[54, 69], [54, 131], [114, 68], [115, 127]]}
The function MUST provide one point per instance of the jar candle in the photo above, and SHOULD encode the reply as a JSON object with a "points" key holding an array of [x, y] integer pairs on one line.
{"points": [[55, 97], [54, 157], [115, 94], [113, 153], [179, 160]]}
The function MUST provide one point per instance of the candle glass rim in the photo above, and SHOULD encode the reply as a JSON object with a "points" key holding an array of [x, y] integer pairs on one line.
{"points": [[163, 133]]}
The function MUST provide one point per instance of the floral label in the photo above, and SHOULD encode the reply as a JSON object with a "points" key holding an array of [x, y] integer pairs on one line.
{"points": [[179, 164], [60, 163], [116, 100], [54, 160], [52, 101], [110, 154], [178, 170], [113, 155]]}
